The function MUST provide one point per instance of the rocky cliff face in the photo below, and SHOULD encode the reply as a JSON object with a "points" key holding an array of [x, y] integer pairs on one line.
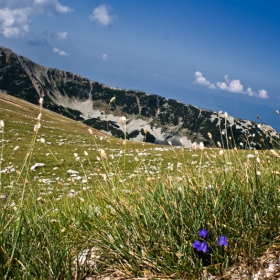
{"points": [[150, 118]]}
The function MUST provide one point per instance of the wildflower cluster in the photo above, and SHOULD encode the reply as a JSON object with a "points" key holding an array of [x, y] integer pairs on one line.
{"points": [[202, 246]]}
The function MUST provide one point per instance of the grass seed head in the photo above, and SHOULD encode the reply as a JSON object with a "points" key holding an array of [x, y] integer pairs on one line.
{"points": [[123, 120], [37, 126], [103, 154], [201, 146], [193, 146], [274, 153]]}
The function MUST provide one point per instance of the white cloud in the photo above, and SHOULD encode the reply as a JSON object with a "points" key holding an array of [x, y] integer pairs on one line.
{"points": [[263, 94], [14, 23], [101, 14], [61, 35], [199, 79], [105, 57], [50, 7], [62, 9], [230, 85], [59, 52], [14, 14], [250, 91]]}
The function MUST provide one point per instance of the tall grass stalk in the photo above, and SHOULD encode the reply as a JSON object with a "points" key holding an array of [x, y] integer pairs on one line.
{"points": [[2, 149]]}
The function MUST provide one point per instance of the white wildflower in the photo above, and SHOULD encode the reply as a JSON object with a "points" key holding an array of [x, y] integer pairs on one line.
{"points": [[250, 156]]}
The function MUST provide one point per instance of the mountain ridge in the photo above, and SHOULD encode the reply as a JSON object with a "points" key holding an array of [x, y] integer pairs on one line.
{"points": [[150, 118]]}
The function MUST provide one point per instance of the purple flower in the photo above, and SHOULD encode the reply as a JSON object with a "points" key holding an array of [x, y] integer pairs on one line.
{"points": [[200, 246], [222, 241], [203, 233]]}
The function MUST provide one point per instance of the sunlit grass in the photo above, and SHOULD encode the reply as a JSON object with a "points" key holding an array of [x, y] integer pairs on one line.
{"points": [[134, 208]]}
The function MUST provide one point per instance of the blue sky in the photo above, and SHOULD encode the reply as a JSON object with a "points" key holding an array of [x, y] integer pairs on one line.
{"points": [[218, 55]]}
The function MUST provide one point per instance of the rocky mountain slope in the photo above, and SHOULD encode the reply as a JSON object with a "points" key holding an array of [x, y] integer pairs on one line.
{"points": [[150, 118]]}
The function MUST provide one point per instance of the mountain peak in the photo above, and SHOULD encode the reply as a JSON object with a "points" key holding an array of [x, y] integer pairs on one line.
{"points": [[150, 118]]}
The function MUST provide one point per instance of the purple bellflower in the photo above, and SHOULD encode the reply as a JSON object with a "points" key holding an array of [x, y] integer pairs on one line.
{"points": [[203, 233], [200, 246], [222, 241]]}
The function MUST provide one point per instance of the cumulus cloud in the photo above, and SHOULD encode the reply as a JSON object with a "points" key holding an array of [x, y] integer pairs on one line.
{"points": [[234, 86], [199, 79], [60, 52], [263, 94], [250, 91], [15, 15], [14, 23], [101, 14]]}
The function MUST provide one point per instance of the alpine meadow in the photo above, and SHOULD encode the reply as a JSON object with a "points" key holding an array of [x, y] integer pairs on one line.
{"points": [[80, 204]]}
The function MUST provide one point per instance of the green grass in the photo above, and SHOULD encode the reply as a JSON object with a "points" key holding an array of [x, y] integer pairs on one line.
{"points": [[140, 206]]}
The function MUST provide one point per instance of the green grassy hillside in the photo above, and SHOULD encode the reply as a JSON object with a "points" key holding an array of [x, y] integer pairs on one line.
{"points": [[76, 203]]}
